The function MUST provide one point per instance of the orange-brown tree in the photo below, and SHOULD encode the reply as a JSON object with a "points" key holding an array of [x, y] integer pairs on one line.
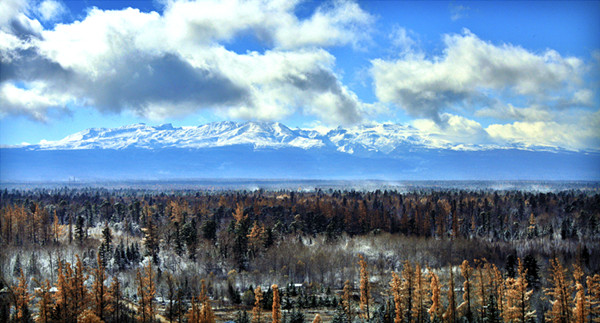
{"points": [[276, 305], [559, 294], [518, 307], [100, 293], [365, 288], [146, 290], [22, 299], [436, 310], [257, 309]]}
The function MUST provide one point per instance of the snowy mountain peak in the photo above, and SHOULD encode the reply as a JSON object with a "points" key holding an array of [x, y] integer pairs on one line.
{"points": [[362, 139]]}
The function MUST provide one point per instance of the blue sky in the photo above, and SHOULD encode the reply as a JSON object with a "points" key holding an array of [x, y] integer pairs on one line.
{"points": [[472, 72]]}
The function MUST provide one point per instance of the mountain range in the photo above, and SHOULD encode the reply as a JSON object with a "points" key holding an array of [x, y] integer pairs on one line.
{"points": [[272, 150]]}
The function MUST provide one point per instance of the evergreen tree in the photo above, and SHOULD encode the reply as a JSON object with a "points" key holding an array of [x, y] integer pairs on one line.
{"points": [[340, 316], [105, 249], [242, 317], [492, 313], [296, 316]]}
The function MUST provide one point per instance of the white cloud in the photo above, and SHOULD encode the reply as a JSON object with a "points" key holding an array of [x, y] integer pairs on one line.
{"points": [[454, 129], [510, 112], [458, 11], [401, 39], [9, 9], [49, 10], [176, 63], [33, 101], [574, 136], [474, 73], [337, 23]]}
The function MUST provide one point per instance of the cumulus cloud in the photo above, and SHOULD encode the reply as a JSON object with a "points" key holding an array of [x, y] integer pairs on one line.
{"points": [[475, 73], [455, 129], [582, 135], [162, 65]]}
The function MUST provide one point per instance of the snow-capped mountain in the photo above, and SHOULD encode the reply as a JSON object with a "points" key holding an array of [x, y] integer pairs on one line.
{"points": [[272, 150], [373, 138]]}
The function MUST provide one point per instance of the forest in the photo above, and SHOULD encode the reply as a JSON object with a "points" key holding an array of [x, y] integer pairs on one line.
{"points": [[451, 255]]}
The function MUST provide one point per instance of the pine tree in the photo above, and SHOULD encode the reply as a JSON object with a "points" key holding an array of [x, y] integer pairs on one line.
{"points": [[150, 230], [45, 303], [242, 317], [396, 292], [255, 239], [173, 309], [450, 314], [559, 294], [420, 295], [408, 289], [365, 288], [57, 230], [105, 250], [517, 297], [193, 314], [582, 304], [465, 306], [257, 310], [99, 291], [483, 274], [593, 285], [80, 292], [436, 310], [498, 288], [115, 308], [206, 312], [88, 316], [146, 290], [276, 305], [63, 298], [347, 300], [22, 299], [340, 316]]}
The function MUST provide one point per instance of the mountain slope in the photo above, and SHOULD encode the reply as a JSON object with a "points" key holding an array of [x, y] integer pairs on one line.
{"points": [[272, 150]]}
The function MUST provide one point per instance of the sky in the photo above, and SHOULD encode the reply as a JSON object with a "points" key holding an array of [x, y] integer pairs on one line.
{"points": [[471, 72]]}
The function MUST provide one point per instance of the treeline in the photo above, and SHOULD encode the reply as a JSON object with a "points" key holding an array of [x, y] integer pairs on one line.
{"points": [[242, 225], [304, 241], [414, 295], [34, 216]]}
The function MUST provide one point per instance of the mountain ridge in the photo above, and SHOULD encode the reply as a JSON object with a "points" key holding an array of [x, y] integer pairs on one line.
{"points": [[385, 138]]}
